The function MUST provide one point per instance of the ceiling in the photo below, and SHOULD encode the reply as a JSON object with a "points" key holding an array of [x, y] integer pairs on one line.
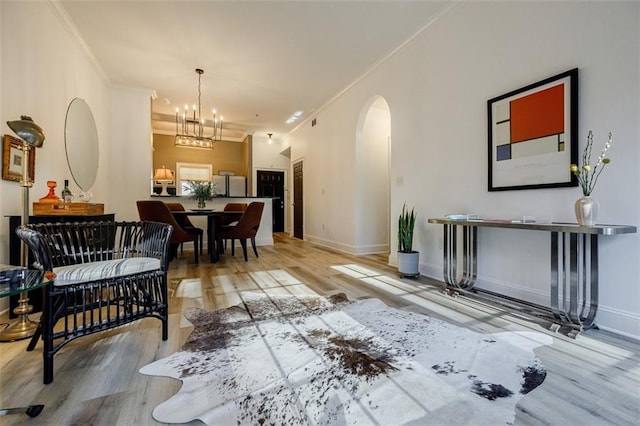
{"points": [[262, 60]]}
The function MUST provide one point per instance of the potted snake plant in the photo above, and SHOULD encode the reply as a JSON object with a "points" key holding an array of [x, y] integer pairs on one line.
{"points": [[201, 191], [408, 259]]}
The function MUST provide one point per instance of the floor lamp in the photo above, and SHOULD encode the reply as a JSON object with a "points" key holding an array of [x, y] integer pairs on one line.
{"points": [[32, 135]]}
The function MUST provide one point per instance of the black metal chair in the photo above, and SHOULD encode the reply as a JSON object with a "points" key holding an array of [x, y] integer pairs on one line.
{"points": [[106, 274]]}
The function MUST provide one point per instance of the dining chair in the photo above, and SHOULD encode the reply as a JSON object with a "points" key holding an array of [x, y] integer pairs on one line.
{"points": [[157, 211], [185, 223], [231, 219], [232, 207], [246, 228]]}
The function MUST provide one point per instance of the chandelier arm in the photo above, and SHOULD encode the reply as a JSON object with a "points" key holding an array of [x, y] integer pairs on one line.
{"points": [[199, 104], [196, 138]]}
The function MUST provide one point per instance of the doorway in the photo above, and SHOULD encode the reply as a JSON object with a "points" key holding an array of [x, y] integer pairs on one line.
{"points": [[298, 212], [271, 184], [372, 227]]}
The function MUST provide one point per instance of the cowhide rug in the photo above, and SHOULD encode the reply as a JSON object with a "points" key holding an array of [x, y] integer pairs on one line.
{"points": [[308, 360]]}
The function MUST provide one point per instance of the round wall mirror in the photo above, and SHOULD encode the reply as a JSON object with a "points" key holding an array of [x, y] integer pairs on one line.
{"points": [[81, 144]]}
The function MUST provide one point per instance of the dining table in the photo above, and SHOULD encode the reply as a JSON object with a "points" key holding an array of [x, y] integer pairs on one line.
{"points": [[214, 244]]}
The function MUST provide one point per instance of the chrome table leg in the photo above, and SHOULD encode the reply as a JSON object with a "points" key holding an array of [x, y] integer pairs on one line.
{"points": [[469, 256]]}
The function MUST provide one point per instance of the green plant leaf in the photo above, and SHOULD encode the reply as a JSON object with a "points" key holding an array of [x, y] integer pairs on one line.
{"points": [[406, 224], [201, 190]]}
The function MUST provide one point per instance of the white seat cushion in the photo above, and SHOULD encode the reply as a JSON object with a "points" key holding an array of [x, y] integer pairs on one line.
{"points": [[92, 271]]}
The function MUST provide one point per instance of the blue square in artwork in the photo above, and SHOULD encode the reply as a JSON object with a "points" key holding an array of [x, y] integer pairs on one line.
{"points": [[503, 152]]}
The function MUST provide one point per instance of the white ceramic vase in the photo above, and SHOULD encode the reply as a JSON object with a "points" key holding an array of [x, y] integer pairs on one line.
{"points": [[586, 211]]}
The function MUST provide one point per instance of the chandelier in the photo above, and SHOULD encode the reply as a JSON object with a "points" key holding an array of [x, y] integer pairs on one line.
{"points": [[190, 130]]}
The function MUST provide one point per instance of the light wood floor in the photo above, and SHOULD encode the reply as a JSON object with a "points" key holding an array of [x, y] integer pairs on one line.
{"points": [[593, 380]]}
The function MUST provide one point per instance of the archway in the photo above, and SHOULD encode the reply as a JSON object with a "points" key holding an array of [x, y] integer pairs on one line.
{"points": [[372, 177]]}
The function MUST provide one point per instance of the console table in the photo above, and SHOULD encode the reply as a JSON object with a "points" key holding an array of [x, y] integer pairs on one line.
{"points": [[574, 267]]}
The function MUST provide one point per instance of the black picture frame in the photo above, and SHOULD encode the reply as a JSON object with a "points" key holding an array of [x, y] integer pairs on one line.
{"points": [[533, 135]]}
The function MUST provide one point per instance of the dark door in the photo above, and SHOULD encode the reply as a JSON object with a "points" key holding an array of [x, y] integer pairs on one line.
{"points": [[271, 184], [297, 200]]}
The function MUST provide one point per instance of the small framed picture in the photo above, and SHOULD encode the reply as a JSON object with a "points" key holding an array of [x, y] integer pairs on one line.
{"points": [[13, 159], [533, 135]]}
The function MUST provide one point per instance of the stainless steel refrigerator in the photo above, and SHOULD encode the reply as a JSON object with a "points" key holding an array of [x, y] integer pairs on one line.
{"points": [[230, 185]]}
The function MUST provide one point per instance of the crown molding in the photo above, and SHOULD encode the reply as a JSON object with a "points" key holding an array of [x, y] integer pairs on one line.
{"points": [[67, 23], [308, 116]]}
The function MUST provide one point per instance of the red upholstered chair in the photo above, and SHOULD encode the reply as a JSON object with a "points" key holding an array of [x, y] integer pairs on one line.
{"points": [[185, 223], [231, 219], [157, 211], [246, 228], [232, 207]]}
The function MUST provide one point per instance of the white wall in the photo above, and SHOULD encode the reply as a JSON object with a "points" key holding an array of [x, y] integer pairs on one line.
{"points": [[268, 156], [42, 71], [131, 153], [372, 178], [437, 87], [329, 151]]}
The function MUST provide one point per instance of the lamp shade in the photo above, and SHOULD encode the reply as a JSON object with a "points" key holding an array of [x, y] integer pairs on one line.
{"points": [[163, 174], [27, 130]]}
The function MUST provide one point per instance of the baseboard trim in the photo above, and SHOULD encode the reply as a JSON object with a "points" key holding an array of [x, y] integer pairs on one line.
{"points": [[348, 248]]}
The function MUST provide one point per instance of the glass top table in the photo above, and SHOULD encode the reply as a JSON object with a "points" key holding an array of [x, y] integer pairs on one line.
{"points": [[13, 282], [16, 280]]}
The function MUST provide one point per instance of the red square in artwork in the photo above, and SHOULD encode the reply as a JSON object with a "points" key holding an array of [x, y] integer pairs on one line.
{"points": [[538, 115]]}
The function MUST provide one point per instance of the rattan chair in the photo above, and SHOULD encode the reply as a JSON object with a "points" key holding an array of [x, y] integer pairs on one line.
{"points": [[106, 274]]}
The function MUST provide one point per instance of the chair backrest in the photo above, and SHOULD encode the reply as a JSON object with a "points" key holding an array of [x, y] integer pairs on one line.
{"points": [[184, 220], [61, 244], [248, 224], [175, 207], [232, 207], [157, 211], [235, 207]]}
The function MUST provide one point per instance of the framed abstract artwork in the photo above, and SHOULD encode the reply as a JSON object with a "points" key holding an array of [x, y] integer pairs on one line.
{"points": [[533, 135], [13, 158]]}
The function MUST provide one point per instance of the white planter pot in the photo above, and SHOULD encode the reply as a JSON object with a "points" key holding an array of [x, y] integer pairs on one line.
{"points": [[408, 264]]}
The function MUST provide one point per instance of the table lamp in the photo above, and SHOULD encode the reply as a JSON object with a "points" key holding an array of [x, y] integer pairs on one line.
{"points": [[164, 176], [32, 135]]}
